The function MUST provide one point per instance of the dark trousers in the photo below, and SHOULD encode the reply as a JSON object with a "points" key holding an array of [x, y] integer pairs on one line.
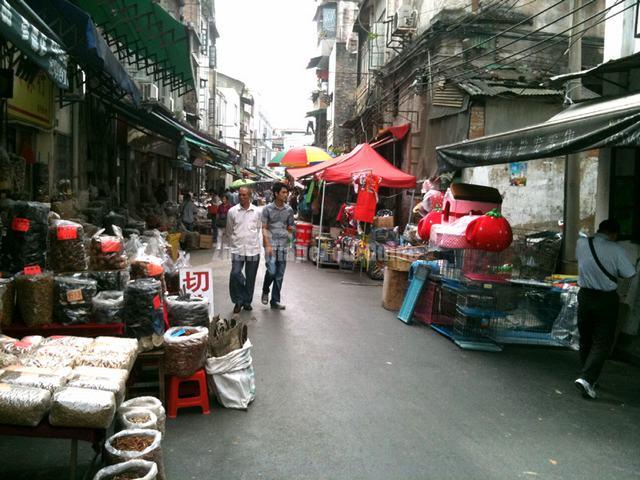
{"points": [[597, 320], [241, 287], [276, 265]]}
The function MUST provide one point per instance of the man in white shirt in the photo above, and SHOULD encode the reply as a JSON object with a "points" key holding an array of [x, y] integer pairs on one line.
{"points": [[243, 231], [600, 263]]}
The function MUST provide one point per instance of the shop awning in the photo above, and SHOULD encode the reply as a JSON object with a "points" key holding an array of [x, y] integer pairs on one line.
{"points": [[321, 62], [624, 64], [36, 45], [584, 126], [142, 32], [87, 47], [398, 132]]}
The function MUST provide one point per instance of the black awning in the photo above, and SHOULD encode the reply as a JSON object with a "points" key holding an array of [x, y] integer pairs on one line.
{"points": [[584, 126], [74, 26]]}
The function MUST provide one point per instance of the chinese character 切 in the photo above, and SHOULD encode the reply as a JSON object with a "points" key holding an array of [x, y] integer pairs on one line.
{"points": [[194, 281]]}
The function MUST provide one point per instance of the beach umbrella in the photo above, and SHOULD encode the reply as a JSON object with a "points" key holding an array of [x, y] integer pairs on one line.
{"points": [[242, 182], [299, 157]]}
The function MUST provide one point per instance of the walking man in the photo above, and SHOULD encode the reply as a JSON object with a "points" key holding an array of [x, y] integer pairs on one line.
{"points": [[188, 212], [243, 232], [600, 262], [277, 222]]}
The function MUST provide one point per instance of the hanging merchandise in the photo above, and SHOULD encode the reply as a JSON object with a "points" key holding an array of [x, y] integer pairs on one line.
{"points": [[434, 217], [26, 240], [66, 247], [367, 187], [490, 232]]}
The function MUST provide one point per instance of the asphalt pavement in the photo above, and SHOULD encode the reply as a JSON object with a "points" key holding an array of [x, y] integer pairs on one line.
{"points": [[347, 391]]}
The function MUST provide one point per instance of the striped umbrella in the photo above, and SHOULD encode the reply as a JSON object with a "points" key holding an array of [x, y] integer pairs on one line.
{"points": [[299, 157]]}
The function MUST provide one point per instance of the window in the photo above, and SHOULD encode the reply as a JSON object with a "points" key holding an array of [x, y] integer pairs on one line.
{"points": [[625, 192]]}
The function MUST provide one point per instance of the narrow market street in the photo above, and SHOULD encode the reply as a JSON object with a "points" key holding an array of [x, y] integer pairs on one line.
{"points": [[346, 391]]}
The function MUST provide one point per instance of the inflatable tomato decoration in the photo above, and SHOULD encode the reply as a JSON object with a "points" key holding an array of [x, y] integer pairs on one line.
{"points": [[491, 232], [434, 217]]}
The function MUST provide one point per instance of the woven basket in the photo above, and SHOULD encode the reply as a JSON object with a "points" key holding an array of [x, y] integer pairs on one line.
{"points": [[401, 258]]}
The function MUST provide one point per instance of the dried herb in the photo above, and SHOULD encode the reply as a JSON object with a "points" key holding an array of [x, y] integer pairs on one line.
{"points": [[7, 300], [142, 312], [35, 298], [67, 251]]}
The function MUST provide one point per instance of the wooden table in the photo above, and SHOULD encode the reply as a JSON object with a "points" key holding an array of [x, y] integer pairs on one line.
{"points": [[153, 360], [80, 330]]}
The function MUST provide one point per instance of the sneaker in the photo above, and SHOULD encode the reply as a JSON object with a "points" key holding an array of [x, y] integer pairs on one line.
{"points": [[247, 307], [236, 308], [587, 390], [265, 298], [278, 306]]}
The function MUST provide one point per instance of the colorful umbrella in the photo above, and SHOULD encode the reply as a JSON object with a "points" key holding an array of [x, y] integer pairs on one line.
{"points": [[241, 182], [299, 157]]}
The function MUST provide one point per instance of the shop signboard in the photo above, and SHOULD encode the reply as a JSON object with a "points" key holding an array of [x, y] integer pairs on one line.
{"points": [[198, 282], [38, 47], [32, 103]]}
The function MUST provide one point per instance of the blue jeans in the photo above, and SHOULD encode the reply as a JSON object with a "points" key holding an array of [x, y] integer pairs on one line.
{"points": [[241, 287], [276, 265]]}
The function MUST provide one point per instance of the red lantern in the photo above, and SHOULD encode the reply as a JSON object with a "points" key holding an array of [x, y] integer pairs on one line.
{"points": [[434, 217], [491, 232]]}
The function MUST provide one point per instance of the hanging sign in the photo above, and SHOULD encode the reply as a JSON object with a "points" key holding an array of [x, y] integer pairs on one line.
{"points": [[199, 283]]}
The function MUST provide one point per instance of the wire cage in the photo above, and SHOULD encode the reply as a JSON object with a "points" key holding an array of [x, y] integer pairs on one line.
{"points": [[532, 321], [475, 325], [446, 305], [535, 255]]}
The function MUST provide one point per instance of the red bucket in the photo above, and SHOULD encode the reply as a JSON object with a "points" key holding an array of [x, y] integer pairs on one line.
{"points": [[303, 233], [301, 251]]}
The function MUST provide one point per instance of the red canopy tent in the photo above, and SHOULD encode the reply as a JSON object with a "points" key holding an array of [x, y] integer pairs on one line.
{"points": [[365, 159]]}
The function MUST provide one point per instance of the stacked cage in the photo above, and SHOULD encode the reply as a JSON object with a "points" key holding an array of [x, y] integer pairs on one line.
{"points": [[535, 254], [476, 316]]}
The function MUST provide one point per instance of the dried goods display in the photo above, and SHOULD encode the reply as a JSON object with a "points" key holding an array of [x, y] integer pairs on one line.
{"points": [[110, 280], [23, 405], [102, 372], [98, 383], [7, 359], [135, 444], [148, 403], [34, 379], [107, 306], [52, 356], [34, 298], [67, 251], [26, 240], [119, 360], [73, 299], [80, 343], [185, 349], [129, 470], [137, 418], [82, 407], [142, 312], [107, 251], [21, 347], [7, 299], [185, 310]]}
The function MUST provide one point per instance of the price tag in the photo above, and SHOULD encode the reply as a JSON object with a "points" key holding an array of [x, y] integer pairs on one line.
{"points": [[156, 302], [487, 286], [154, 270], [74, 296], [32, 270], [108, 246], [20, 225], [67, 232]]}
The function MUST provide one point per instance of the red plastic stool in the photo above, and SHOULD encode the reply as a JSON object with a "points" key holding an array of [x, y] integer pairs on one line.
{"points": [[201, 399]]}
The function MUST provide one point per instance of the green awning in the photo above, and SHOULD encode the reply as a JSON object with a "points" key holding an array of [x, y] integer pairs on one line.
{"points": [[142, 32]]}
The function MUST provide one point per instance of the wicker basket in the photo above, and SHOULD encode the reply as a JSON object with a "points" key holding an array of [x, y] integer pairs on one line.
{"points": [[401, 258]]}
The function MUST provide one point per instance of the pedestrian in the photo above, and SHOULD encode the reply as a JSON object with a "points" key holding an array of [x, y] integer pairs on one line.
{"points": [[277, 222], [293, 201], [600, 263], [221, 221], [243, 230], [212, 211], [188, 212]]}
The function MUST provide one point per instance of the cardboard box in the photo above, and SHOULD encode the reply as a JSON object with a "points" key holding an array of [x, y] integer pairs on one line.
{"points": [[383, 222], [206, 241]]}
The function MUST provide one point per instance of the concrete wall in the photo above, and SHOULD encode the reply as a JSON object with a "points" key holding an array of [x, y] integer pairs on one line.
{"points": [[342, 84]]}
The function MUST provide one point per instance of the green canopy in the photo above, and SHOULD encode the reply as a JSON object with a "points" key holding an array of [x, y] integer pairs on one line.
{"points": [[144, 33]]}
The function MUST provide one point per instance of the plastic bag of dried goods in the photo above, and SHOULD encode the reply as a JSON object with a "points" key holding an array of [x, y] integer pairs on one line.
{"points": [[107, 251], [115, 386], [107, 307], [133, 469], [122, 361], [141, 444], [25, 346], [143, 314], [34, 378], [7, 359], [80, 343], [185, 349], [117, 374], [7, 301], [67, 251], [148, 403], [111, 279], [23, 405], [82, 407], [185, 310], [137, 418], [73, 299], [26, 240], [34, 298], [52, 356]]}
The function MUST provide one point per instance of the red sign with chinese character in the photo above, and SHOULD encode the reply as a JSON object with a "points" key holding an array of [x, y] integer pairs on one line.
{"points": [[67, 232], [32, 270], [20, 224], [198, 282], [108, 246]]}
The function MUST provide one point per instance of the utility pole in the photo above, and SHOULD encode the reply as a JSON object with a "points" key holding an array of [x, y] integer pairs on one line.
{"points": [[573, 160]]}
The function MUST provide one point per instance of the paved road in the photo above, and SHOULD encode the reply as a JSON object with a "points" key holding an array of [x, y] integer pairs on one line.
{"points": [[346, 391]]}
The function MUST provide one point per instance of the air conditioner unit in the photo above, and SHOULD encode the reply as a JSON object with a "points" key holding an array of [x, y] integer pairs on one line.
{"points": [[405, 20], [149, 92], [168, 102]]}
